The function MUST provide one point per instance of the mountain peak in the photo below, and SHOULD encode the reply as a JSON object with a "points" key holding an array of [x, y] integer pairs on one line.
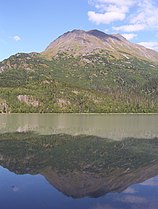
{"points": [[98, 34], [79, 42], [75, 31]]}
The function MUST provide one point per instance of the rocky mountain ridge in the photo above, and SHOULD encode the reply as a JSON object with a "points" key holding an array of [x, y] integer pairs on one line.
{"points": [[79, 42]]}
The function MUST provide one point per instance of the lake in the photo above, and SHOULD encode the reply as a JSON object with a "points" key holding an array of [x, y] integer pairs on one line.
{"points": [[78, 161]]}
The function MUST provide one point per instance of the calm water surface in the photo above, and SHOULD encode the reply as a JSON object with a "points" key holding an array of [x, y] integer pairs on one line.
{"points": [[78, 161]]}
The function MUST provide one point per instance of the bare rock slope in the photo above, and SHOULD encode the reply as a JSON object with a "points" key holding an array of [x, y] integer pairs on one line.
{"points": [[79, 42]]}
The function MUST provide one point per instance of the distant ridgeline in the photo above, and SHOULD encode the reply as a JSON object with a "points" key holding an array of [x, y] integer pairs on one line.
{"points": [[80, 166], [81, 71]]}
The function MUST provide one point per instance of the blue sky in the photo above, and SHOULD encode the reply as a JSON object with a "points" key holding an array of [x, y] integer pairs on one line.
{"points": [[30, 25]]}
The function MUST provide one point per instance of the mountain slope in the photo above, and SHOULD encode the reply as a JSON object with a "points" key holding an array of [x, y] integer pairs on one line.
{"points": [[81, 72], [79, 42]]}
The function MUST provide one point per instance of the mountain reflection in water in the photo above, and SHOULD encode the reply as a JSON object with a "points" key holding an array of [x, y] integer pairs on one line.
{"points": [[81, 166]]}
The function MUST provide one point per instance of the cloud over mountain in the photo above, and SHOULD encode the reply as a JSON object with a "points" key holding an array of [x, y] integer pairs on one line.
{"points": [[128, 15]]}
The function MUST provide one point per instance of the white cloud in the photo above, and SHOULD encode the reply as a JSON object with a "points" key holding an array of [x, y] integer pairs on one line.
{"points": [[129, 36], [145, 17], [105, 18], [136, 15], [17, 38], [109, 11], [108, 3], [147, 14], [130, 28], [150, 45]]}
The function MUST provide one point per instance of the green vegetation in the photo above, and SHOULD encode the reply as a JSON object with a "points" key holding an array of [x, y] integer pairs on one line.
{"points": [[91, 83]]}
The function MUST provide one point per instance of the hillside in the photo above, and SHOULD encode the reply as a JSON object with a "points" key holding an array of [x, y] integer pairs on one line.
{"points": [[81, 72]]}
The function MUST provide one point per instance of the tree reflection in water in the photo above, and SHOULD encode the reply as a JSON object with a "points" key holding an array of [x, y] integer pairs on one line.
{"points": [[81, 166]]}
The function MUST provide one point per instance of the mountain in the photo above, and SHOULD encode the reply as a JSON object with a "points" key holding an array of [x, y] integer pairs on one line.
{"points": [[81, 71], [79, 42]]}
